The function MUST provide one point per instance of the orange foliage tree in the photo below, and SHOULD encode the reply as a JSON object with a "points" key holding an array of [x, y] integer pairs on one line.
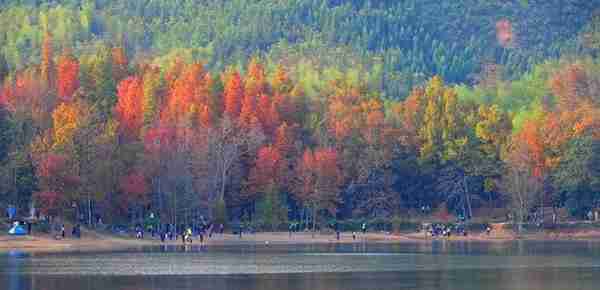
{"points": [[319, 177], [265, 175], [233, 94], [129, 109]]}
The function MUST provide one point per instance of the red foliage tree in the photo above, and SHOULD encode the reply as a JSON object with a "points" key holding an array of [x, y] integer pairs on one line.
{"points": [[159, 139], [20, 95], [49, 203], [134, 189], [68, 76], [54, 175]]}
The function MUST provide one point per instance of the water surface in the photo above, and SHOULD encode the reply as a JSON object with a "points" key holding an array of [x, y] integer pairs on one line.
{"points": [[438, 265]]}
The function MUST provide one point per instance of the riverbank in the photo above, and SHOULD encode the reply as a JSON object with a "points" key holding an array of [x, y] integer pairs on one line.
{"points": [[93, 241]]}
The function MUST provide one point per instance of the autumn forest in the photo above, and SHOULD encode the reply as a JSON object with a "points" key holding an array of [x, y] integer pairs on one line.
{"points": [[303, 111]]}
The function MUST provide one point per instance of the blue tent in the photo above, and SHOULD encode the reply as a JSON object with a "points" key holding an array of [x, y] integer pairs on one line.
{"points": [[17, 230]]}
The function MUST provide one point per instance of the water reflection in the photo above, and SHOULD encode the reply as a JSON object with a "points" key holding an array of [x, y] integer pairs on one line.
{"points": [[14, 260], [435, 265]]}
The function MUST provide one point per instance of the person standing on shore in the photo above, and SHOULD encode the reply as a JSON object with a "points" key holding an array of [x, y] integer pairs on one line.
{"points": [[62, 231], [364, 228]]}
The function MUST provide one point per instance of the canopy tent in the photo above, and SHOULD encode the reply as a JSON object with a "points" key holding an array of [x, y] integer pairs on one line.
{"points": [[17, 230]]}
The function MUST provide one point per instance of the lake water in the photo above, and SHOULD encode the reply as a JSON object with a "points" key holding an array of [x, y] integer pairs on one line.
{"points": [[438, 265]]}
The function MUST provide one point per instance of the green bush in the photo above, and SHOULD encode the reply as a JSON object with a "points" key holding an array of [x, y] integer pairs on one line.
{"points": [[272, 211]]}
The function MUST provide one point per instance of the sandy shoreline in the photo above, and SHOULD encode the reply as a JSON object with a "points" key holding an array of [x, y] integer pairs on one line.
{"points": [[98, 242]]}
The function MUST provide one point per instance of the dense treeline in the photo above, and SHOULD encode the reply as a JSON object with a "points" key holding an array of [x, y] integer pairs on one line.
{"points": [[122, 138], [406, 42], [108, 128]]}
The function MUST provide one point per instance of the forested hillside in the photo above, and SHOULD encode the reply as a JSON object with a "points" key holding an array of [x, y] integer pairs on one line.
{"points": [[405, 41], [268, 111]]}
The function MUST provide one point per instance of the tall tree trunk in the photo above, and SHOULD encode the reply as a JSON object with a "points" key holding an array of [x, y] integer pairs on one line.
{"points": [[314, 228], [467, 197], [89, 209]]}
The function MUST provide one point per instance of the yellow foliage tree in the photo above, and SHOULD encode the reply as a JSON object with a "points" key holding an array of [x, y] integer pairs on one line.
{"points": [[67, 118]]}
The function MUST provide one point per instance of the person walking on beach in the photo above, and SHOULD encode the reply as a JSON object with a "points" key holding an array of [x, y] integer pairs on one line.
{"points": [[337, 230], [364, 228], [291, 229], [62, 231], [188, 235]]}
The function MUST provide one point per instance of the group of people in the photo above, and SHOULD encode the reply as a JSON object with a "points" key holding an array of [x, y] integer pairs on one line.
{"points": [[363, 229], [442, 230], [185, 232]]}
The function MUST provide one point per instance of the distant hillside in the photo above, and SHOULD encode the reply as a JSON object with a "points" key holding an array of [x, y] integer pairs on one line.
{"points": [[410, 39]]}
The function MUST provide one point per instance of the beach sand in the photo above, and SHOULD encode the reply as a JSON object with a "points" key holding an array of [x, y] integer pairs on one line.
{"points": [[93, 241]]}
